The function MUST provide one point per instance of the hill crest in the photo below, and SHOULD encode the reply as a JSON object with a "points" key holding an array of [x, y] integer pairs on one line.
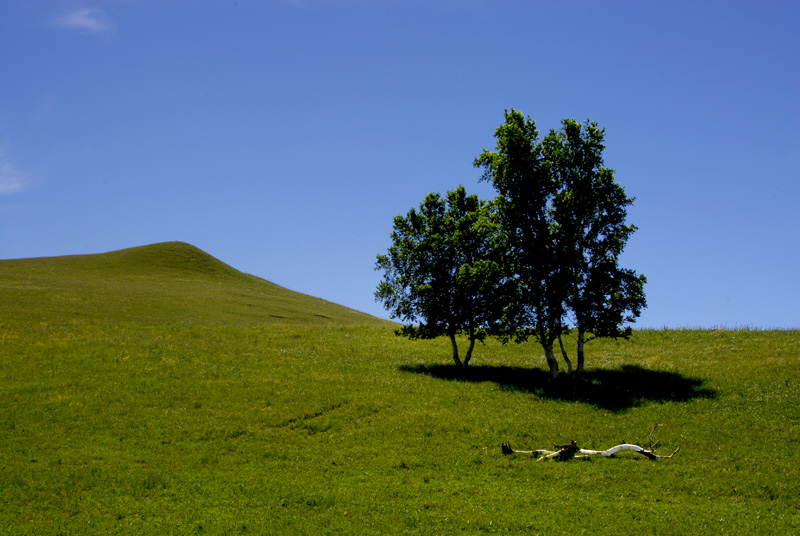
{"points": [[171, 282]]}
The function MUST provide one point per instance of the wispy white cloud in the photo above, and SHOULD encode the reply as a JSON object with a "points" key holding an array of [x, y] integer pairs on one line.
{"points": [[12, 180], [87, 20]]}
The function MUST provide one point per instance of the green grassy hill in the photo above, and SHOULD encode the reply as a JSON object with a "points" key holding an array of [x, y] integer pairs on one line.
{"points": [[171, 282], [157, 391]]}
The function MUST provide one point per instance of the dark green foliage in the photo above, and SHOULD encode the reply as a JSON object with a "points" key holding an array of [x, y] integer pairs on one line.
{"points": [[538, 261], [589, 217], [537, 266], [443, 270], [563, 217]]}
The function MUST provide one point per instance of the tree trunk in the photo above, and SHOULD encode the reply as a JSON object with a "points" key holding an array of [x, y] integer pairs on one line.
{"points": [[471, 347], [564, 354], [581, 336], [455, 350], [552, 362]]}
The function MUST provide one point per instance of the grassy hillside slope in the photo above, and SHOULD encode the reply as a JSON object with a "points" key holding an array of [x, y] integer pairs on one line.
{"points": [[169, 282], [155, 391]]}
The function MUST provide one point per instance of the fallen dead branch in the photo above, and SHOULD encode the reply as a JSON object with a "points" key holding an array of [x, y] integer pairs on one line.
{"points": [[572, 450]]}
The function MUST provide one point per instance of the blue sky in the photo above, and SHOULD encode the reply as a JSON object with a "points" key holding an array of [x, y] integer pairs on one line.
{"points": [[283, 136]]}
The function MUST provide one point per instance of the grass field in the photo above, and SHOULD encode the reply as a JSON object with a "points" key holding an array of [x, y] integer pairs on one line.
{"points": [[158, 391]]}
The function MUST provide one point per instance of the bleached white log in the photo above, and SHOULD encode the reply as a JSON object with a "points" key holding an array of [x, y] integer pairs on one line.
{"points": [[566, 452], [627, 446]]}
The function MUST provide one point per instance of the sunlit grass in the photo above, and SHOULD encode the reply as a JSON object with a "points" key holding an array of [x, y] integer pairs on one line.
{"points": [[200, 427], [290, 429]]}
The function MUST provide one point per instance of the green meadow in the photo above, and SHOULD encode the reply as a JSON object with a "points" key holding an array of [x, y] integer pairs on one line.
{"points": [[157, 390]]}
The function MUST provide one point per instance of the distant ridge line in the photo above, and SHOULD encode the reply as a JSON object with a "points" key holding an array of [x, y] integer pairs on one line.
{"points": [[172, 282]]}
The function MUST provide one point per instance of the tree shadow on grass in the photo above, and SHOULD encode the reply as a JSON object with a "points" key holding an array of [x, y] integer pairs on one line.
{"points": [[615, 390]]}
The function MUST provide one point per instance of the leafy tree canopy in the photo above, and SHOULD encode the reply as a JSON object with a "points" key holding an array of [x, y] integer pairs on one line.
{"points": [[564, 218], [442, 272], [540, 260]]}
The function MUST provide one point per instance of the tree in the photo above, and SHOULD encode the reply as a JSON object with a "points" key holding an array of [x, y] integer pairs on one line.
{"points": [[589, 214], [536, 271], [443, 270], [563, 217]]}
